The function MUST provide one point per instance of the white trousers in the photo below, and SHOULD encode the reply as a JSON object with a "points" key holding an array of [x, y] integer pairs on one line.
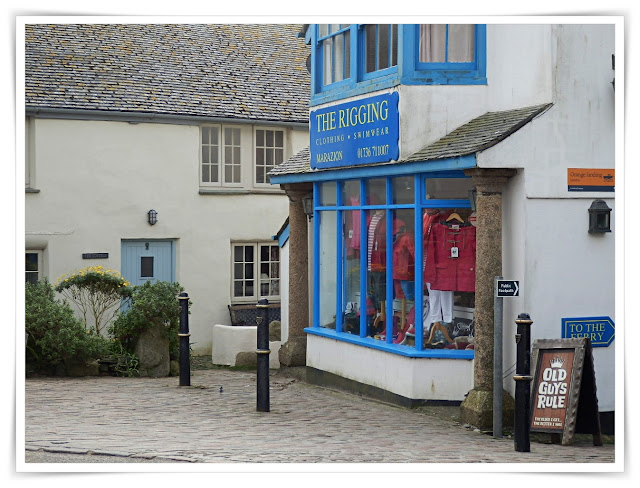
{"points": [[440, 306]]}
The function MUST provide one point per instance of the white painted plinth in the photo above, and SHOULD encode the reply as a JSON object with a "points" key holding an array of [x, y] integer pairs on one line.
{"points": [[229, 340], [414, 378]]}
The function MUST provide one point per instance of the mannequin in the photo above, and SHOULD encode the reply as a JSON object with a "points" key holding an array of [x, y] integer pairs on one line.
{"points": [[440, 301], [450, 267]]}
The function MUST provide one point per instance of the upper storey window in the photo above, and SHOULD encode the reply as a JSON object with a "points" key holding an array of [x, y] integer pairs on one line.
{"points": [[352, 59], [447, 43], [335, 48]]}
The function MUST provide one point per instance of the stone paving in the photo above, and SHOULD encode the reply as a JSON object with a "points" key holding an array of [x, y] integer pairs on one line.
{"points": [[156, 418]]}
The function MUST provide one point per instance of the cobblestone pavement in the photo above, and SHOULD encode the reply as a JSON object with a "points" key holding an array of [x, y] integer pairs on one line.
{"points": [[148, 418]]}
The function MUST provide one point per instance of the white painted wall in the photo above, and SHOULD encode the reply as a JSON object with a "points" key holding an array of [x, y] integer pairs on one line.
{"points": [[424, 379], [97, 181], [563, 270]]}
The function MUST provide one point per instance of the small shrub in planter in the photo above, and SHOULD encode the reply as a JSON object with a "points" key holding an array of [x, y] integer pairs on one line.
{"points": [[54, 336], [152, 304]]}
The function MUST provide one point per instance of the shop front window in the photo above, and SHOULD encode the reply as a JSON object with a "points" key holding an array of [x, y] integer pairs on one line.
{"points": [[327, 266], [399, 269]]}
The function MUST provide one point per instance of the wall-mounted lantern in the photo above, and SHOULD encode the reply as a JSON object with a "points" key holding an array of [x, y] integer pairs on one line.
{"points": [[599, 217], [307, 205], [152, 217]]}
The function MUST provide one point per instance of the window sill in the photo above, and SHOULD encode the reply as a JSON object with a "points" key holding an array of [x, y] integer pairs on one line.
{"points": [[31, 190], [240, 191], [407, 351]]}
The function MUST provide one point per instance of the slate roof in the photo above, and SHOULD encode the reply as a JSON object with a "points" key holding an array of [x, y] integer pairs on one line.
{"points": [[473, 137], [247, 71]]}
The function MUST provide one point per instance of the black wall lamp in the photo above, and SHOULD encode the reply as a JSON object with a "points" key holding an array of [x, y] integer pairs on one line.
{"points": [[152, 217], [307, 205], [599, 217]]}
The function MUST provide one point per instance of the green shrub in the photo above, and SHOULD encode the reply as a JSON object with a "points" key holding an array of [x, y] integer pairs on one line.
{"points": [[151, 304], [96, 292], [53, 333]]}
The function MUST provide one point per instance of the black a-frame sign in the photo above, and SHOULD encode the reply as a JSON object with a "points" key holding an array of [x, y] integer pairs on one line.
{"points": [[563, 394]]}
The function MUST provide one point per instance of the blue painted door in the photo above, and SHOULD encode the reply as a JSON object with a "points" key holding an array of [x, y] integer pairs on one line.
{"points": [[148, 260]]}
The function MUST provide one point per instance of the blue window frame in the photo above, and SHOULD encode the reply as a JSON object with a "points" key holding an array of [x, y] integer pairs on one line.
{"points": [[341, 277], [353, 59], [447, 54]]}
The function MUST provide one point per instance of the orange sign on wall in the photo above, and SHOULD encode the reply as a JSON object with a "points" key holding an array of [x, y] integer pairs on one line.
{"points": [[589, 179]]}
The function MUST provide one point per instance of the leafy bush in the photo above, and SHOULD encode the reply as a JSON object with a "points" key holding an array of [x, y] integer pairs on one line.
{"points": [[53, 333], [151, 304], [96, 292]]}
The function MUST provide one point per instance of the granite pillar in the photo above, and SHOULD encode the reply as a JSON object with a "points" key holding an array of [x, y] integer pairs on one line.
{"points": [[294, 351], [477, 408]]}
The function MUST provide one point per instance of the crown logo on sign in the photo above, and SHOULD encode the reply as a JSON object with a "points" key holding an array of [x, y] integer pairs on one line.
{"points": [[557, 362]]}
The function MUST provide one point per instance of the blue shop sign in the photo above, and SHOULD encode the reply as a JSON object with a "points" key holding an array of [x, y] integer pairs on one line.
{"points": [[360, 132], [599, 330]]}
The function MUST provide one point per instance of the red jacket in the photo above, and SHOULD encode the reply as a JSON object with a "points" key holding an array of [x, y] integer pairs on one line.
{"points": [[445, 272], [404, 252], [379, 245]]}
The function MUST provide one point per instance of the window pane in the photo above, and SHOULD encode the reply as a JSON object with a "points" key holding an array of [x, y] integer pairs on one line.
{"points": [[279, 156], [402, 189], [279, 139], [259, 138], [269, 157], [206, 177], [383, 46], [351, 271], [432, 43], [264, 253], [205, 135], [146, 267], [237, 289], [336, 56], [370, 47], [228, 174], [31, 263], [269, 138], [236, 174], [248, 270], [448, 188], [327, 265], [237, 270], [259, 155], [328, 193], [275, 253], [260, 174], [461, 43], [237, 254], [375, 191], [248, 253]]}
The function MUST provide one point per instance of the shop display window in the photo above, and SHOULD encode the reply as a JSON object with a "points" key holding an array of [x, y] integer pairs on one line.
{"points": [[396, 261]]}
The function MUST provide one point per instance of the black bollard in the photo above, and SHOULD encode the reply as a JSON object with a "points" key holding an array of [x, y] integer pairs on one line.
{"points": [[263, 356], [185, 368], [522, 415]]}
